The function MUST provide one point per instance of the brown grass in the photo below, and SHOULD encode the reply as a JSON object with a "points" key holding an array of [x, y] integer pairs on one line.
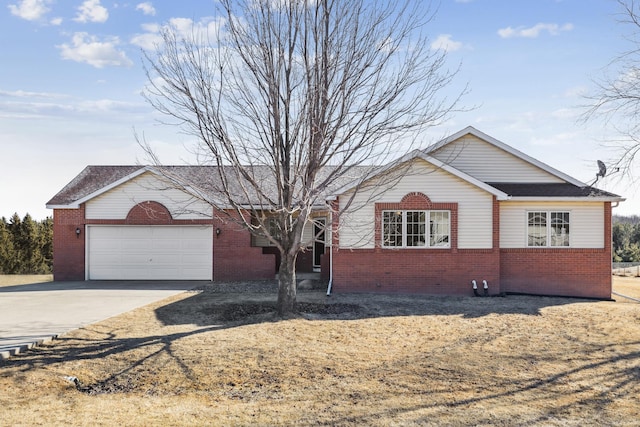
{"points": [[24, 279], [224, 359], [628, 286]]}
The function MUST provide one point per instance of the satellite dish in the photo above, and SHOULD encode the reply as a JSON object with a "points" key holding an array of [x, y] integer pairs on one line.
{"points": [[602, 169]]}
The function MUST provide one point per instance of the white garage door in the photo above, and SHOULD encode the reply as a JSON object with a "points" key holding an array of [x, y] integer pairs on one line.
{"points": [[150, 252]]}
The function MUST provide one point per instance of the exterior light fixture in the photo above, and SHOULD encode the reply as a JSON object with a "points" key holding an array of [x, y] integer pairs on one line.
{"points": [[78, 231], [218, 231]]}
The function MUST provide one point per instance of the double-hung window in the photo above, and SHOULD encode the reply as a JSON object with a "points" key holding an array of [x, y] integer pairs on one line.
{"points": [[411, 229], [548, 229]]}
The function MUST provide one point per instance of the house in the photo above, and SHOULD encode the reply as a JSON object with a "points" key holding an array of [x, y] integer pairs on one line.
{"points": [[468, 208]]}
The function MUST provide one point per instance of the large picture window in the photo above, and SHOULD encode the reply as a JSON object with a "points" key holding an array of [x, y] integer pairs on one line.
{"points": [[410, 229], [548, 229]]}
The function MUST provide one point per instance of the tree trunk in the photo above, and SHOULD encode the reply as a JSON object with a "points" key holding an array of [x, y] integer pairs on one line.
{"points": [[287, 284]]}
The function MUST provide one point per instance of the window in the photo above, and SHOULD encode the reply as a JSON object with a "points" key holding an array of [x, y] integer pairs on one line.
{"points": [[272, 227], [415, 229], [548, 229]]}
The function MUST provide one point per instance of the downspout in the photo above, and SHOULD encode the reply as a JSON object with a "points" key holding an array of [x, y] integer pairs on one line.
{"points": [[330, 258]]}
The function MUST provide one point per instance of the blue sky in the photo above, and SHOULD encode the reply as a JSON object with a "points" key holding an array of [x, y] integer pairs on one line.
{"points": [[71, 77]]}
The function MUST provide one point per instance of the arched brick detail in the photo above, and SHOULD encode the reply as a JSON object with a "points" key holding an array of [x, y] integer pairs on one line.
{"points": [[149, 212], [416, 200]]}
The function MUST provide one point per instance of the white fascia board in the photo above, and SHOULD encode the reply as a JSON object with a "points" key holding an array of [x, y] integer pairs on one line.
{"points": [[509, 149], [599, 199], [77, 203], [71, 206]]}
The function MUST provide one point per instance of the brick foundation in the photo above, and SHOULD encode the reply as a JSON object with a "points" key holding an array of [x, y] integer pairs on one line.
{"points": [[437, 272], [568, 272]]}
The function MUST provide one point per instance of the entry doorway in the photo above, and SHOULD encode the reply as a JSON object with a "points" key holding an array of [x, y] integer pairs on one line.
{"points": [[319, 227]]}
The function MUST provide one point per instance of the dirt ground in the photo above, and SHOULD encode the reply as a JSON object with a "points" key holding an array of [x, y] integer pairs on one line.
{"points": [[218, 356]]}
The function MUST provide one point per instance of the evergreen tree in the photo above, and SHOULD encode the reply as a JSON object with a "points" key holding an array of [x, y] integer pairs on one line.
{"points": [[26, 245], [7, 253]]}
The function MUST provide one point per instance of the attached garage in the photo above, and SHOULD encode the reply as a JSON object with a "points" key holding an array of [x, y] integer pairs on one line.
{"points": [[135, 252]]}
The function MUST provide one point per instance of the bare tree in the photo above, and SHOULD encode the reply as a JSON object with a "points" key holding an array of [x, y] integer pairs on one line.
{"points": [[291, 97], [616, 98]]}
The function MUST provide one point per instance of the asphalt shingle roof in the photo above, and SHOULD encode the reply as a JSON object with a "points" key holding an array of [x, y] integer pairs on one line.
{"points": [[205, 179], [90, 180], [549, 190]]}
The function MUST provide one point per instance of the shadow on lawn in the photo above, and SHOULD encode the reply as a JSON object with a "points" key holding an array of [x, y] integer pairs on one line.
{"points": [[207, 308], [591, 392], [212, 311], [123, 379]]}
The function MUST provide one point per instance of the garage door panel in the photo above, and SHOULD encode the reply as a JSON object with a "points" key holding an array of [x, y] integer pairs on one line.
{"points": [[150, 253]]}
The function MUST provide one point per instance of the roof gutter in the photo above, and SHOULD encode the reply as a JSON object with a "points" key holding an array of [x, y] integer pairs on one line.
{"points": [[565, 199]]}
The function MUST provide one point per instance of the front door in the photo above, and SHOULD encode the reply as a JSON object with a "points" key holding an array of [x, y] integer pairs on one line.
{"points": [[319, 225]]}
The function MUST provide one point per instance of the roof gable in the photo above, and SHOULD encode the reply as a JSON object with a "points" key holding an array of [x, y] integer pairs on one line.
{"points": [[490, 160], [91, 182], [417, 154]]}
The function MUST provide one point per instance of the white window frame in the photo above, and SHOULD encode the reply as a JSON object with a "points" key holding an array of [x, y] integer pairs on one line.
{"points": [[427, 229], [548, 231]]}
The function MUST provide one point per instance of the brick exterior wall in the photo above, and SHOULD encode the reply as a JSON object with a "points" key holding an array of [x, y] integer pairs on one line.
{"points": [[68, 247], [561, 271], [429, 271], [542, 271], [234, 258]]}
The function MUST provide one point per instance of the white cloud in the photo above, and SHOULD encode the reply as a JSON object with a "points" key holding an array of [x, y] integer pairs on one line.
{"points": [[576, 92], [147, 41], [146, 8], [56, 21], [100, 54], [31, 10], [562, 139], [29, 94], [444, 42], [533, 32], [566, 113], [206, 29], [92, 11]]}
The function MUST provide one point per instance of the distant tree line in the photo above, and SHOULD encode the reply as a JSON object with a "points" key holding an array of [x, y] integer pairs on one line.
{"points": [[626, 238], [26, 245]]}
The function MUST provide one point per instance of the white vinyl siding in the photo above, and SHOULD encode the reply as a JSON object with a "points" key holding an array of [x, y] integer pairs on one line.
{"points": [[117, 202], [133, 252], [489, 163], [586, 222], [475, 206]]}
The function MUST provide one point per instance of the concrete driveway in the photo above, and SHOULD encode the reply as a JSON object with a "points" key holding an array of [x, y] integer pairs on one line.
{"points": [[32, 314]]}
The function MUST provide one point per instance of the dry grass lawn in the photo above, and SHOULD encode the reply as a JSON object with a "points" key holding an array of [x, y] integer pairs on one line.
{"points": [[24, 279], [209, 358], [628, 286]]}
